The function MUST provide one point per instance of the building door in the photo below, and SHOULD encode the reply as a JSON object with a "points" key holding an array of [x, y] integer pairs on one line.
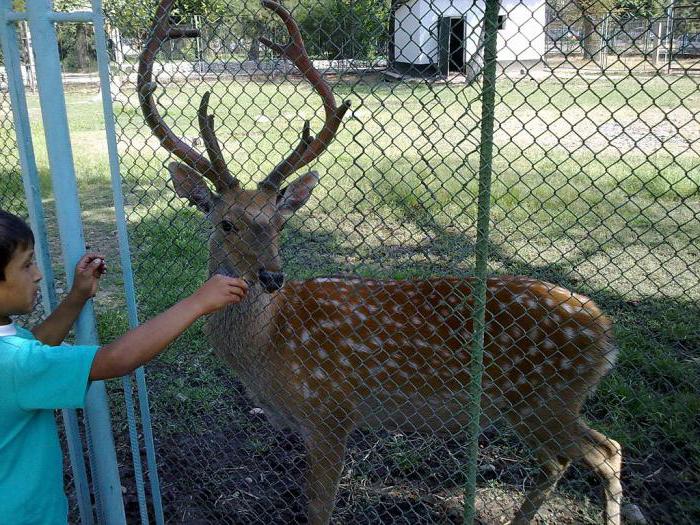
{"points": [[451, 34]]}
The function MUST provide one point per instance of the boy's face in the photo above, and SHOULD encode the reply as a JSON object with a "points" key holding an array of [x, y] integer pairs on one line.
{"points": [[19, 289]]}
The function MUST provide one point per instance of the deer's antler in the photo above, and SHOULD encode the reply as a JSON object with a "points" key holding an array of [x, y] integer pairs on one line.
{"points": [[309, 147], [214, 169]]}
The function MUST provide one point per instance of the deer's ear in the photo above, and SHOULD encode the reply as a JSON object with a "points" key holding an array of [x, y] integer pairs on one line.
{"points": [[297, 193], [190, 185]]}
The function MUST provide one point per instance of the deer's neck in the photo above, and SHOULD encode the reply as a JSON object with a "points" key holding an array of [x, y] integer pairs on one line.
{"points": [[243, 333]]}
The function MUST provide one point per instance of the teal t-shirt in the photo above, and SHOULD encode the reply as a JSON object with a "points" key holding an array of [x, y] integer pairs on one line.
{"points": [[36, 379]]}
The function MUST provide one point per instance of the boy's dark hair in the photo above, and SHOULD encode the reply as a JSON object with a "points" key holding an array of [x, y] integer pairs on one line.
{"points": [[14, 233]]}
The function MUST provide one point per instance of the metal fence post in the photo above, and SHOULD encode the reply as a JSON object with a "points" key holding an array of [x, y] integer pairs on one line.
{"points": [[48, 69], [476, 366], [32, 191]]}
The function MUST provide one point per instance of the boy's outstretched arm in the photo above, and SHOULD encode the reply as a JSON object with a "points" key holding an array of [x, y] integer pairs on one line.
{"points": [[140, 345], [54, 329]]}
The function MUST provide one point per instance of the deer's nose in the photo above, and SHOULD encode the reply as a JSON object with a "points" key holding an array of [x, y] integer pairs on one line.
{"points": [[271, 281]]}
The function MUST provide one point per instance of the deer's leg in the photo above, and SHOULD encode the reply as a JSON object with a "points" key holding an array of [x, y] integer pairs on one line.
{"points": [[570, 439], [604, 456], [325, 448], [551, 470]]}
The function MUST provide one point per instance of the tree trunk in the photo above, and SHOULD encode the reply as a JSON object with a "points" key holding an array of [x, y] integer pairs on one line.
{"points": [[589, 38], [82, 56], [254, 49]]}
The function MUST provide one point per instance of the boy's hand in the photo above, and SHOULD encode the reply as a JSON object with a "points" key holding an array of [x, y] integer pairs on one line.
{"points": [[219, 291], [88, 271]]}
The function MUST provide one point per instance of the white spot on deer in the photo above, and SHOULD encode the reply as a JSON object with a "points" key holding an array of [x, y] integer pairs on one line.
{"points": [[507, 366], [416, 320], [589, 333], [504, 339], [344, 361], [507, 386], [521, 380], [404, 374], [376, 341], [376, 370], [295, 367], [548, 344], [322, 353], [532, 350], [391, 363], [359, 347], [421, 343], [452, 299], [570, 308], [305, 336], [412, 365], [531, 303], [555, 318], [526, 411], [569, 332], [291, 344], [362, 317], [518, 359], [320, 374], [328, 324], [308, 392], [565, 363]]}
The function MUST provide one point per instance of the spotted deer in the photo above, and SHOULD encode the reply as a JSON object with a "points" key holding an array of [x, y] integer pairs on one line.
{"points": [[325, 356]]}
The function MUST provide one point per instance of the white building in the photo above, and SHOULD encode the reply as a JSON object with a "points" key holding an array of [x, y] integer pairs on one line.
{"points": [[439, 36]]}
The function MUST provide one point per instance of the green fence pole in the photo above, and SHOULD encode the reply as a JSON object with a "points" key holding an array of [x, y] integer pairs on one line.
{"points": [[476, 367]]}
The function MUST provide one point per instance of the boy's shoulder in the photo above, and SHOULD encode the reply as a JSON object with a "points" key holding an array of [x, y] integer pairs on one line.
{"points": [[10, 334]]}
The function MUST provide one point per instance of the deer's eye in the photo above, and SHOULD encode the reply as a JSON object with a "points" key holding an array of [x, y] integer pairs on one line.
{"points": [[228, 226]]}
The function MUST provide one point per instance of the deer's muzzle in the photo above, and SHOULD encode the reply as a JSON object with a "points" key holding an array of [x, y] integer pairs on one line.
{"points": [[271, 281]]}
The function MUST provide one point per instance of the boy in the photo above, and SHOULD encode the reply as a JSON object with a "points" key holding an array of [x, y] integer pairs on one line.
{"points": [[38, 376]]}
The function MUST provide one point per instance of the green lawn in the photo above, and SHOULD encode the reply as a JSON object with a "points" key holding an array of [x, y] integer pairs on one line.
{"points": [[591, 190]]}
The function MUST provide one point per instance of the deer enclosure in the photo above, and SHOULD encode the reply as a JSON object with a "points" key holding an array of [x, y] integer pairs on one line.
{"points": [[365, 279]]}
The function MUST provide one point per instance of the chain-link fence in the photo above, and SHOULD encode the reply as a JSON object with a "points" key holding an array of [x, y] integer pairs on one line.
{"points": [[594, 188]]}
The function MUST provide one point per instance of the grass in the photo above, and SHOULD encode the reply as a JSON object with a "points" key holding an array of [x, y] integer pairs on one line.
{"points": [[596, 187]]}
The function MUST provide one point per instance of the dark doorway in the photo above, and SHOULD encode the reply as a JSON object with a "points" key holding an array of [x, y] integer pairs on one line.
{"points": [[457, 45], [451, 44]]}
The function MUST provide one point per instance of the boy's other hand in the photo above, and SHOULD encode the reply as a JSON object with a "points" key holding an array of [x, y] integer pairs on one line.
{"points": [[219, 291], [90, 268]]}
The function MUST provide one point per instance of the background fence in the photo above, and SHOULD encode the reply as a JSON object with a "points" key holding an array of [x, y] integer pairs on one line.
{"points": [[595, 187]]}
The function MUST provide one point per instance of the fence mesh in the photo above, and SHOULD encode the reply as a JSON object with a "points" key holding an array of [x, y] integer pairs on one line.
{"points": [[595, 190]]}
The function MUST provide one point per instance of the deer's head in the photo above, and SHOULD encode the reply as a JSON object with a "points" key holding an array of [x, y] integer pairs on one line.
{"points": [[247, 222]]}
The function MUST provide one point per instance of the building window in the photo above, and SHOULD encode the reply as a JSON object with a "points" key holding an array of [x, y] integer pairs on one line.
{"points": [[501, 22]]}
